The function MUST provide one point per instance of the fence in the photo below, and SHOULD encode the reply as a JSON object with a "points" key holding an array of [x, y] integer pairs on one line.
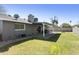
{"points": [[76, 30], [66, 29], [62, 29]]}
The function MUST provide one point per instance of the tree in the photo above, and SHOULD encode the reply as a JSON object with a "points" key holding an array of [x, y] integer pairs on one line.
{"points": [[9, 15], [70, 21], [54, 21], [35, 19], [16, 16], [77, 25], [31, 18], [66, 25]]}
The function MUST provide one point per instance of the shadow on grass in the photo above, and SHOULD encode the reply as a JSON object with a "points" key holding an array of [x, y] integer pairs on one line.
{"points": [[6, 47], [54, 38]]}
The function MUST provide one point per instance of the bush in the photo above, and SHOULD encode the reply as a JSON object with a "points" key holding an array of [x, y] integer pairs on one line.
{"points": [[66, 25]]}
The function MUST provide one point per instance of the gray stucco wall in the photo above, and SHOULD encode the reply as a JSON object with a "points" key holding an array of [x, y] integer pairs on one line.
{"points": [[10, 33], [33, 28], [1, 23], [8, 30]]}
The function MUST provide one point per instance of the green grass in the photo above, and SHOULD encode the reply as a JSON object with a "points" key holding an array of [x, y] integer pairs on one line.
{"points": [[66, 43]]}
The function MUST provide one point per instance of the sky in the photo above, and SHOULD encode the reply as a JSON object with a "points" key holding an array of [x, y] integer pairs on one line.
{"points": [[44, 12]]}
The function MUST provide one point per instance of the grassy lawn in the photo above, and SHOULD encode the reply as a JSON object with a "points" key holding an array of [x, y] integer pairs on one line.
{"points": [[64, 43]]}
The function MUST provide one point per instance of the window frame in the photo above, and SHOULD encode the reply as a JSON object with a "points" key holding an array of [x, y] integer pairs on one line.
{"points": [[18, 28]]}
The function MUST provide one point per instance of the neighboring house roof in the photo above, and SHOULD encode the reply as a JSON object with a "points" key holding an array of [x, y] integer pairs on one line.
{"points": [[5, 17]]}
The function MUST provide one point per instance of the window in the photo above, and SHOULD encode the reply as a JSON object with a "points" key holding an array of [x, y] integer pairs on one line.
{"points": [[19, 26]]}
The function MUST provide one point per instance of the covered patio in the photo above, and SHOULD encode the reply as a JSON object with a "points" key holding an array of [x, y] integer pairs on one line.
{"points": [[43, 29]]}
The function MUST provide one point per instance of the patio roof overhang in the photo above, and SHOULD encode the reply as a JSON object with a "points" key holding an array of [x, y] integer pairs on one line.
{"points": [[43, 26]]}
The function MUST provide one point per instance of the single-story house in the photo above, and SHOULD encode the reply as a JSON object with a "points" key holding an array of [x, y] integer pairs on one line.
{"points": [[14, 29]]}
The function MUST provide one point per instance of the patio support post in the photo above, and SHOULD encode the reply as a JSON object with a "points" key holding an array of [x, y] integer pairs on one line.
{"points": [[43, 30]]}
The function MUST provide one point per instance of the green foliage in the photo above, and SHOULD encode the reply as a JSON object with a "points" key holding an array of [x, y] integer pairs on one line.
{"points": [[16, 16], [9, 15], [77, 25], [31, 18], [35, 19], [66, 25], [54, 21]]}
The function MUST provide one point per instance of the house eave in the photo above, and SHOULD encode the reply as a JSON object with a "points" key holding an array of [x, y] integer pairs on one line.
{"points": [[12, 20]]}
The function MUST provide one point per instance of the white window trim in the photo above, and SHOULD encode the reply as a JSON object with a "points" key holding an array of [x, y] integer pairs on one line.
{"points": [[21, 29]]}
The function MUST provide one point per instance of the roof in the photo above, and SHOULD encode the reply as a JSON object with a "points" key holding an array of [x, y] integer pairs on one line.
{"points": [[42, 23], [5, 17]]}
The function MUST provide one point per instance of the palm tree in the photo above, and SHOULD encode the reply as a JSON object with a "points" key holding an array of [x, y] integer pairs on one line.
{"points": [[16, 16], [70, 21], [54, 21]]}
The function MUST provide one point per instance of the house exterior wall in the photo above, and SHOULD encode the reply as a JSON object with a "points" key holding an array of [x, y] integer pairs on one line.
{"points": [[29, 30], [8, 30], [1, 23], [33, 28], [10, 33]]}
